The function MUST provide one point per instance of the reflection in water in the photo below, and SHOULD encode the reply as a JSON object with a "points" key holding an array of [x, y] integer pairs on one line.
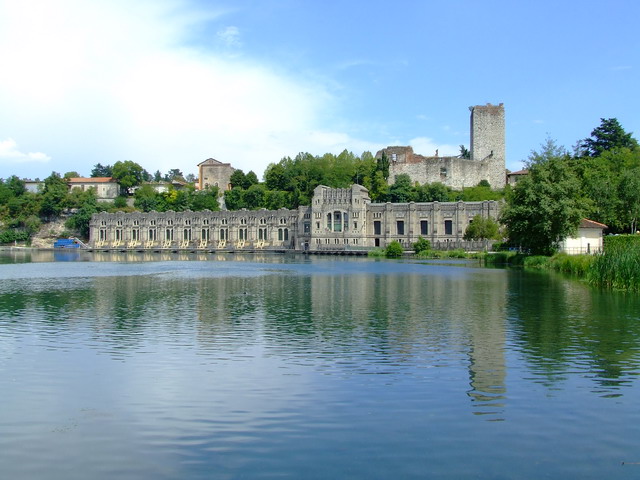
{"points": [[233, 364]]}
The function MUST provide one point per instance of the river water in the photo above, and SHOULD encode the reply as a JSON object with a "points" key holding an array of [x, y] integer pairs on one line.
{"points": [[283, 366]]}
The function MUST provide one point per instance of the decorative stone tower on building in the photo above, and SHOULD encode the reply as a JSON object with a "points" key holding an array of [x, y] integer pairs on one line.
{"points": [[487, 160]]}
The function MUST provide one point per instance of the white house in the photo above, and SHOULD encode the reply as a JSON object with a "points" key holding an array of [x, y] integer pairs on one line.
{"points": [[587, 240]]}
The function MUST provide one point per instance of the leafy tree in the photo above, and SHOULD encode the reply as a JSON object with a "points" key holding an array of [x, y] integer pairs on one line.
{"points": [[382, 165], [250, 179], [157, 177], [394, 250], [237, 179], [100, 170], [464, 153], [53, 196], [72, 174], [233, 199], [81, 220], [422, 245], [175, 174], [254, 197], [433, 192], [482, 228], [548, 150], [401, 191], [609, 135], [120, 202], [128, 174], [205, 200], [190, 178], [147, 199], [629, 193], [544, 207], [16, 186], [275, 177]]}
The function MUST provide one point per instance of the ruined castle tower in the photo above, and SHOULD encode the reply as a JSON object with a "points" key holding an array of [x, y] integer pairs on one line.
{"points": [[488, 141], [487, 160]]}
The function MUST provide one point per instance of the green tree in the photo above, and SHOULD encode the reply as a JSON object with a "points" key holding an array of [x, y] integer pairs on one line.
{"points": [[609, 135], [250, 179], [401, 191], [237, 179], [482, 228], [629, 194], [394, 250], [100, 170], [53, 196], [175, 174], [544, 207], [147, 199], [233, 199], [205, 200], [464, 153], [421, 245], [254, 197], [81, 220], [382, 165], [128, 174]]}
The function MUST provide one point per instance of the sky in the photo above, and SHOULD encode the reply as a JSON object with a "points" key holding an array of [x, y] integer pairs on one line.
{"points": [[171, 83]]}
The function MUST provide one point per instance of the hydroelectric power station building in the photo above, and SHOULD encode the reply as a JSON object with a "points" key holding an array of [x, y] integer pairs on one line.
{"points": [[338, 219]]}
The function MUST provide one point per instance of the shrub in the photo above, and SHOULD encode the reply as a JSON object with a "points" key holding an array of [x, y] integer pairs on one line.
{"points": [[376, 252], [422, 245], [394, 250]]}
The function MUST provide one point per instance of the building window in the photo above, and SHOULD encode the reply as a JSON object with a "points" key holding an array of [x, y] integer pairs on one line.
{"points": [[168, 234], [400, 227], [204, 234], [307, 227], [186, 235], [377, 227], [448, 227], [424, 227], [337, 221], [152, 235]]}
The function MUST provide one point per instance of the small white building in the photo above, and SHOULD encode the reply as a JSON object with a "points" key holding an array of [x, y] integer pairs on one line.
{"points": [[589, 239]]}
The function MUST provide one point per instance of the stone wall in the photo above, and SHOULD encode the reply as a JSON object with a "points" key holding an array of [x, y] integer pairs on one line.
{"points": [[487, 160], [214, 173]]}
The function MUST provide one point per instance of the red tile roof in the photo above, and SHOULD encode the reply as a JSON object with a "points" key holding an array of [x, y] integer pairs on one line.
{"points": [[586, 223], [91, 180]]}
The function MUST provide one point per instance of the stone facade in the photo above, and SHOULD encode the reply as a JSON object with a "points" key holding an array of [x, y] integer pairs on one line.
{"points": [[487, 160], [213, 173], [337, 220]]}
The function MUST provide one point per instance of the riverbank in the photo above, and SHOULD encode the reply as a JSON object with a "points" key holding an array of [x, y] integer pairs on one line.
{"points": [[617, 268]]}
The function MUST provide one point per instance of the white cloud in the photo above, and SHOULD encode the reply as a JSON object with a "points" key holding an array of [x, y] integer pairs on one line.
{"points": [[427, 147], [103, 81], [230, 37], [9, 154]]}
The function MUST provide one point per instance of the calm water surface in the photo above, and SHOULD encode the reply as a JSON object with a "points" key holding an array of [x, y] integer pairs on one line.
{"points": [[163, 367]]}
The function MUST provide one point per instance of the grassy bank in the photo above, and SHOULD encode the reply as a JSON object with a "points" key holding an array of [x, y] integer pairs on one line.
{"points": [[619, 266]]}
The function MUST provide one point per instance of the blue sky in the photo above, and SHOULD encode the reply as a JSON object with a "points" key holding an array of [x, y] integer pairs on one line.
{"points": [[169, 84]]}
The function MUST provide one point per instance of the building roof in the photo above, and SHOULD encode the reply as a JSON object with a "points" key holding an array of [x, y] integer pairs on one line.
{"points": [[519, 172], [91, 180], [213, 161], [586, 223]]}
